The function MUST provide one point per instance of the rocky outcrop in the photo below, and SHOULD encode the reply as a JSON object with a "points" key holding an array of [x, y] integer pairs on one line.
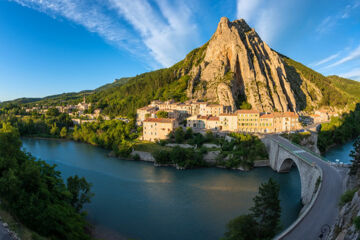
{"points": [[238, 66], [344, 227]]}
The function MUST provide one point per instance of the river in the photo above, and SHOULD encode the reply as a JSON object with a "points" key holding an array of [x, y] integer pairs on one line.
{"points": [[139, 201], [340, 152]]}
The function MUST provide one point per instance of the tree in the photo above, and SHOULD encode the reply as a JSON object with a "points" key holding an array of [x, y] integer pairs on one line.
{"points": [[162, 114], [54, 130], [188, 133], [355, 154], [179, 135], [63, 132], [243, 227], [267, 210], [54, 112], [263, 222], [80, 191], [245, 105]]}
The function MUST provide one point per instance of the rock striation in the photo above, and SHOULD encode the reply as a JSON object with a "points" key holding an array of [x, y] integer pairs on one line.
{"points": [[238, 66]]}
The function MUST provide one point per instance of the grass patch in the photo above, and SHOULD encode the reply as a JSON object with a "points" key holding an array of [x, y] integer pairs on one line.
{"points": [[150, 147]]}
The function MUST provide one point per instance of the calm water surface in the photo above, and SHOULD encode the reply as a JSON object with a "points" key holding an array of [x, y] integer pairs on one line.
{"points": [[139, 201], [340, 152]]}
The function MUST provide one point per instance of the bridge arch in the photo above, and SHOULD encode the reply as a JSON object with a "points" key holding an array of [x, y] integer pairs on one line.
{"points": [[282, 159]]}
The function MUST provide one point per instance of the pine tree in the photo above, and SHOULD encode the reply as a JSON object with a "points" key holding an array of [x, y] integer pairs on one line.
{"points": [[267, 210], [355, 154], [264, 220]]}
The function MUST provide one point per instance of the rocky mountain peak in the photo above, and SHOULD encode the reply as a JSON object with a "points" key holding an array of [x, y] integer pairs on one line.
{"points": [[238, 66]]}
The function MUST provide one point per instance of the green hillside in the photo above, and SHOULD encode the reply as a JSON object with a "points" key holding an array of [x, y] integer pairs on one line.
{"points": [[332, 95], [351, 87]]}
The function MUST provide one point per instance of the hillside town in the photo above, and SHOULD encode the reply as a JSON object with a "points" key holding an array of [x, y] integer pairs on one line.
{"points": [[160, 118]]}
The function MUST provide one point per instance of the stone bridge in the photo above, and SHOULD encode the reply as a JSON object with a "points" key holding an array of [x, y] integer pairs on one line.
{"points": [[282, 158], [321, 187]]}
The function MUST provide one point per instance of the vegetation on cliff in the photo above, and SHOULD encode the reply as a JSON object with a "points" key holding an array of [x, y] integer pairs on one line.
{"points": [[35, 193], [331, 95]]}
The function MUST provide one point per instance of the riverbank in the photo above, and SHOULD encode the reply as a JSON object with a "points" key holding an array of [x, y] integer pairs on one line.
{"points": [[210, 158]]}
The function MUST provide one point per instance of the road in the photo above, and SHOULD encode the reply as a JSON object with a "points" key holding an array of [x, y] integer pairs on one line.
{"points": [[4, 235], [325, 208]]}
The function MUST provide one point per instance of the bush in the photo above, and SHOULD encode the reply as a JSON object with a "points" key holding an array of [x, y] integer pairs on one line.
{"points": [[356, 222], [184, 158], [136, 157], [162, 157], [347, 197]]}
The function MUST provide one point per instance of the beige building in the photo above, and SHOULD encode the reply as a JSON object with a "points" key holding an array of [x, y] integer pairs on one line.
{"points": [[158, 128], [229, 122], [213, 123], [266, 123], [248, 120], [196, 122], [143, 113], [290, 121]]}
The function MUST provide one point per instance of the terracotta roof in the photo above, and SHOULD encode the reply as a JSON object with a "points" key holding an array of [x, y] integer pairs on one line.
{"points": [[315, 115], [247, 111], [290, 114], [213, 119], [267, 115], [203, 117], [160, 120], [214, 105]]}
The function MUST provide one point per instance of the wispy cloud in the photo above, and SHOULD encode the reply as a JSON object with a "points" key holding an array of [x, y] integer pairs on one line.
{"points": [[246, 9], [354, 54], [268, 17], [329, 22], [91, 16], [326, 60], [158, 29], [353, 74], [166, 35]]}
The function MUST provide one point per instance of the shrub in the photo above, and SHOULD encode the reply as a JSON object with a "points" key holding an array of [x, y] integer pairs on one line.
{"points": [[136, 157], [356, 222], [347, 197]]}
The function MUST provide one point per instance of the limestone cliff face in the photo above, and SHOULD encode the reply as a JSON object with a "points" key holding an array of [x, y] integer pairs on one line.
{"points": [[237, 66]]}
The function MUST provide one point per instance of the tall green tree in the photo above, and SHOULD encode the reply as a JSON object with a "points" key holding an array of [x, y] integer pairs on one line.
{"points": [[80, 190], [263, 222], [243, 227], [267, 210], [355, 154]]}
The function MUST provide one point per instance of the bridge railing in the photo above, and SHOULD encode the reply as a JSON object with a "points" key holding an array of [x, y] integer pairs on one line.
{"points": [[292, 152], [311, 152]]}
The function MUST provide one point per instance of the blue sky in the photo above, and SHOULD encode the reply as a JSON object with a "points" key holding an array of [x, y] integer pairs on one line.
{"points": [[55, 46]]}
